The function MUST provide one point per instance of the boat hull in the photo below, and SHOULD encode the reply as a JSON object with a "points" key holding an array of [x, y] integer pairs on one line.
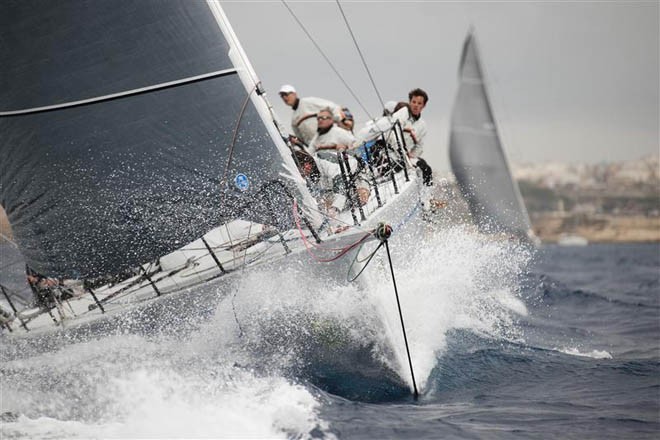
{"points": [[184, 298]]}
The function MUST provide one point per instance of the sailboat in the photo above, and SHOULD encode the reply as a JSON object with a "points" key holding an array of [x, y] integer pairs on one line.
{"points": [[140, 157], [477, 158]]}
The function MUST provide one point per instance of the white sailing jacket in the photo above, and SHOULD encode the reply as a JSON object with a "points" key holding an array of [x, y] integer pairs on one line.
{"points": [[419, 126], [335, 136], [303, 125]]}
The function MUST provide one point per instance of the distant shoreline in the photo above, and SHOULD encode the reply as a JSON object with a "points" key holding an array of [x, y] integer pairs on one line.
{"points": [[597, 228]]}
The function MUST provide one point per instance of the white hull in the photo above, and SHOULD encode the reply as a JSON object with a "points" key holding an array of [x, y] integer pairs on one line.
{"points": [[190, 277]]}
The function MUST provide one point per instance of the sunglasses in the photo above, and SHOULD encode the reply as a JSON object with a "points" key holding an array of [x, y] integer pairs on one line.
{"points": [[323, 118]]}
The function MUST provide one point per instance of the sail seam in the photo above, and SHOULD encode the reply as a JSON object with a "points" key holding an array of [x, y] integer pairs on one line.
{"points": [[469, 80], [483, 131], [132, 92]]}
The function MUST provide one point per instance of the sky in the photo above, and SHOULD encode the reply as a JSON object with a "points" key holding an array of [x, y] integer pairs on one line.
{"points": [[568, 81]]}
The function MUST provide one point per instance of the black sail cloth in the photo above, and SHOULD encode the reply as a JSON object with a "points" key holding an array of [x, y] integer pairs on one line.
{"points": [[96, 188]]}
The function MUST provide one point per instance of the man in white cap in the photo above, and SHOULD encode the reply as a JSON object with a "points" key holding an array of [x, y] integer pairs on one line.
{"points": [[303, 119]]}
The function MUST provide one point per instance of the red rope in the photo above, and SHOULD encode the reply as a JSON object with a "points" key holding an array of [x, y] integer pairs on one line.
{"points": [[308, 246]]}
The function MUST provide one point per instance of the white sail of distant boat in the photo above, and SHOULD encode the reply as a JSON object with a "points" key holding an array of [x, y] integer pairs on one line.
{"points": [[141, 157], [477, 158]]}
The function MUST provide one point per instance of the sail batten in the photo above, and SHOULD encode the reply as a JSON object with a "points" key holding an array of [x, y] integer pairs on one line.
{"points": [[109, 97], [476, 155]]}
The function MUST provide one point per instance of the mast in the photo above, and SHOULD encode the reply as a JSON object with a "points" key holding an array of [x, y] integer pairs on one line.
{"points": [[252, 82]]}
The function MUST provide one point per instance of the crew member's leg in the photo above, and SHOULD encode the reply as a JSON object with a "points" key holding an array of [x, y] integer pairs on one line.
{"points": [[427, 172]]}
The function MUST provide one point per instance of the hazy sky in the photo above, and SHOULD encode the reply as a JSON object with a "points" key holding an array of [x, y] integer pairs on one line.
{"points": [[568, 81]]}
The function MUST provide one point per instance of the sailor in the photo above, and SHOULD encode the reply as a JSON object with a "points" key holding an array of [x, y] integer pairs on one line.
{"points": [[414, 132], [326, 182], [388, 110], [296, 143], [347, 123], [329, 136], [40, 286], [46, 290], [303, 118]]}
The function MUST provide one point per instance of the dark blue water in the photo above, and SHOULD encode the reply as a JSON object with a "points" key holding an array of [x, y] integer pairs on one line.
{"points": [[587, 365], [580, 360]]}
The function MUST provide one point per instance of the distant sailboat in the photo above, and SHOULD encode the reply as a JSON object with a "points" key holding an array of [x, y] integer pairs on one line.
{"points": [[477, 158]]}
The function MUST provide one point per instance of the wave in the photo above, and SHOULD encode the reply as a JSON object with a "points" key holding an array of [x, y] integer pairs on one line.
{"points": [[544, 289], [263, 351], [594, 354], [129, 386], [474, 364]]}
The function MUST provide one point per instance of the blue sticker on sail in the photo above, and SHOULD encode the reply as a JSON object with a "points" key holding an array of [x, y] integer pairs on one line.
{"points": [[241, 181]]}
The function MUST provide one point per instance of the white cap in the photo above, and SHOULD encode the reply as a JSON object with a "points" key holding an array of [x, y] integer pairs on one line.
{"points": [[389, 106], [287, 88]]}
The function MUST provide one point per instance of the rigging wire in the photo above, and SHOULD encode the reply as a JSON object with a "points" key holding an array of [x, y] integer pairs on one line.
{"points": [[325, 57], [9, 240], [234, 137], [308, 246], [364, 267], [403, 327], [364, 62], [11, 264]]}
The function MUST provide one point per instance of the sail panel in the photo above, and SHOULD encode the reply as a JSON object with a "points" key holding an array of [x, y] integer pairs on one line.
{"points": [[69, 50], [96, 189], [477, 158]]}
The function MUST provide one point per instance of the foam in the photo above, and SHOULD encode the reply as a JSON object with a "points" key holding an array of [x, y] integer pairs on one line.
{"points": [[227, 379], [594, 354], [129, 387], [454, 280]]}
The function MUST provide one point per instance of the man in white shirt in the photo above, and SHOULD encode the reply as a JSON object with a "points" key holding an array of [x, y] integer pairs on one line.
{"points": [[303, 119], [414, 132], [329, 136], [326, 183]]}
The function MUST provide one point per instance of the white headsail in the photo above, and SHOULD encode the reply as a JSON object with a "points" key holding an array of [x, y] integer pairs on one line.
{"points": [[477, 158]]}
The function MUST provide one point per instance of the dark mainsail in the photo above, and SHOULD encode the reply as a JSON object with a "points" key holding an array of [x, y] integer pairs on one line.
{"points": [[126, 131], [477, 158]]}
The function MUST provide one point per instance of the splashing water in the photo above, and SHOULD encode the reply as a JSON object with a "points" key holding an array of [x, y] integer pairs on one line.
{"points": [[247, 370], [128, 386], [461, 281], [456, 281]]}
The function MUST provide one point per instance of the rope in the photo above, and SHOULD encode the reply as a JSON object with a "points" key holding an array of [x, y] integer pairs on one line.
{"points": [[325, 57], [368, 260], [235, 136], [11, 264], [308, 245], [371, 78], [403, 327], [9, 240], [407, 218], [304, 237]]}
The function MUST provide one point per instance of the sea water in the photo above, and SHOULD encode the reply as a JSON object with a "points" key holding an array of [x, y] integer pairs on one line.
{"points": [[504, 341]]}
